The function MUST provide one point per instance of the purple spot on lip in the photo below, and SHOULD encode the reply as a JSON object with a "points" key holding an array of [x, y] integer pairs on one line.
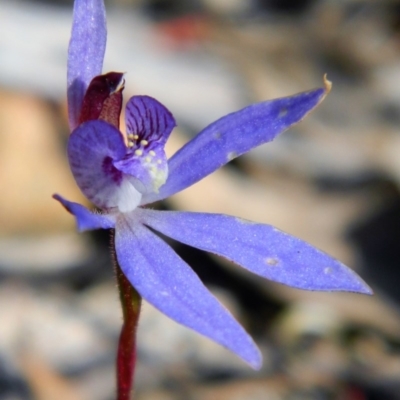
{"points": [[111, 171]]}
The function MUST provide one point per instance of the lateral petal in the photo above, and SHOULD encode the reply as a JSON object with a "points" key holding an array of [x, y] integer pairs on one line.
{"points": [[168, 283], [92, 149], [233, 135], [85, 52], [85, 219], [262, 249]]}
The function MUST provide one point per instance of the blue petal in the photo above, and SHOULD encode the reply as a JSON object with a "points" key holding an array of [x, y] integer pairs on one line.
{"points": [[148, 126], [149, 120], [85, 219], [92, 149], [167, 282], [232, 136], [85, 52], [260, 248]]}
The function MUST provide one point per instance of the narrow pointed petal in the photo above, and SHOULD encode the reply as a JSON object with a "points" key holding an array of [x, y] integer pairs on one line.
{"points": [[167, 282], [85, 219], [233, 135], [92, 149], [85, 53], [262, 249], [148, 126]]}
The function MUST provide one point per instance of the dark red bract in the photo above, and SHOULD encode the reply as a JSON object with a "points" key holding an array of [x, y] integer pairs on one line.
{"points": [[103, 99]]}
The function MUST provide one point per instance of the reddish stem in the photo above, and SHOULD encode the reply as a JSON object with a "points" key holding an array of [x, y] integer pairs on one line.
{"points": [[126, 356]]}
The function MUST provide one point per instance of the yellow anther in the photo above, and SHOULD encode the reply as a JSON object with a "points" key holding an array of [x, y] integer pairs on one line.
{"points": [[152, 153], [138, 152], [136, 137], [148, 159], [131, 136], [130, 144], [144, 142]]}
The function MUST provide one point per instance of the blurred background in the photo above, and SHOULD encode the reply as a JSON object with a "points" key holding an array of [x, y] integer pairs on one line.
{"points": [[333, 180]]}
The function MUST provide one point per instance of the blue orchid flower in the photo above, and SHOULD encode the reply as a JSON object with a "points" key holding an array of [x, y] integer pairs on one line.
{"points": [[122, 174]]}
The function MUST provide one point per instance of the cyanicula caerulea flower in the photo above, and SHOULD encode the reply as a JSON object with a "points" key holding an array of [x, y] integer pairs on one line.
{"points": [[122, 173]]}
